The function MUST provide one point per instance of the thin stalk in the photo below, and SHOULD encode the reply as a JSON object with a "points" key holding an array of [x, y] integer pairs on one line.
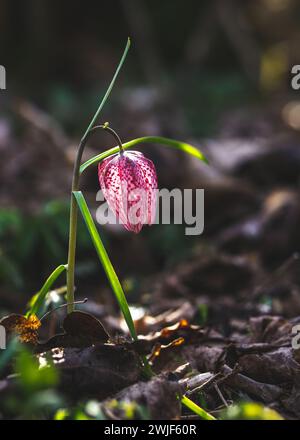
{"points": [[73, 226], [74, 211], [75, 187], [105, 126]]}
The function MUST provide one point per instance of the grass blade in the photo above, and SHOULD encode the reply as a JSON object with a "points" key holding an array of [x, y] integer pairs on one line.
{"points": [[106, 263], [182, 146], [109, 87], [196, 409], [40, 297]]}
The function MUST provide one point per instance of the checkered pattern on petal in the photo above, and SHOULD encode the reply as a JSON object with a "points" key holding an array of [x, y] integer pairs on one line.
{"points": [[129, 184]]}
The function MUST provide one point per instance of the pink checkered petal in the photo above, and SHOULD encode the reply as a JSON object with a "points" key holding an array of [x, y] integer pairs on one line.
{"points": [[129, 184]]}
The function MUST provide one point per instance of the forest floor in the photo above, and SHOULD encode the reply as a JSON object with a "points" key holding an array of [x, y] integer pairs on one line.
{"points": [[216, 326]]}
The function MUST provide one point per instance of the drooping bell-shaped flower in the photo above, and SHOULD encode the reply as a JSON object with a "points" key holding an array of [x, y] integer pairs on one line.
{"points": [[129, 184]]}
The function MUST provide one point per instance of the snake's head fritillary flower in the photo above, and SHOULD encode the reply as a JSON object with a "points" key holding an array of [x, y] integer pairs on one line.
{"points": [[129, 184]]}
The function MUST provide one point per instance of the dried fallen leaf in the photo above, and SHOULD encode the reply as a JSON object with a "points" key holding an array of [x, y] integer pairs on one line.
{"points": [[159, 399], [80, 330], [25, 328], [95, 371], [159, 347]]}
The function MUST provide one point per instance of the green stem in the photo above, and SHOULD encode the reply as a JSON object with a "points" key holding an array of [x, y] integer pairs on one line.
{"points": [[75, 187], [74, 211], [105, 126], [73, 226], [196, 409]]}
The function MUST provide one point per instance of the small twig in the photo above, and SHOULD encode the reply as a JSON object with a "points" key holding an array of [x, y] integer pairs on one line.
{"points": [[277, 274], [228, 373], [220, 395], [190, 417], [109, 413], [199, 382], [61, 306], [266, 392], [43, 123]]}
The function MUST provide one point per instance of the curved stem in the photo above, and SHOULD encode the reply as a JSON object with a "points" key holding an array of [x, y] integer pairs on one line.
{"points": [[75, 187], [114, 134], [73, 225], [74, 210]]}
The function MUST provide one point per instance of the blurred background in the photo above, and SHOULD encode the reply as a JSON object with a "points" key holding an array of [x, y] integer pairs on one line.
{"points": [[213, 73]]}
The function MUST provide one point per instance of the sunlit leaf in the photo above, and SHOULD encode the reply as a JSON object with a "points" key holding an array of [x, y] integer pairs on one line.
{"points": [[41, 295], [196, 409], [105, 261], [181, 146]]}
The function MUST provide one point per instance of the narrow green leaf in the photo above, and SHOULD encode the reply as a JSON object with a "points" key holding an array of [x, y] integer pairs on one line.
{"points": [[105, 261], [109, 87], [40, 297], [196, 409], [182, 146]]}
